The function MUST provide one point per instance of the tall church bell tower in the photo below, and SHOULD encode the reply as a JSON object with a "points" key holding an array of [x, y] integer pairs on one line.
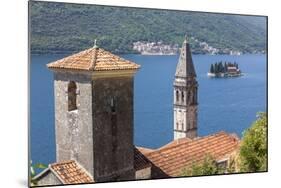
{"points": [[94, 92], [185, 96]]}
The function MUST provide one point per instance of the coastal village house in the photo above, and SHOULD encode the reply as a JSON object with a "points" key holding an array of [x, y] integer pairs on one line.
{"points": [[94, 92]]}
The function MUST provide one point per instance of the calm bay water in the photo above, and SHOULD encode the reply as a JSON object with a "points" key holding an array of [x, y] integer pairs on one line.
{"points": [[227, 104]]}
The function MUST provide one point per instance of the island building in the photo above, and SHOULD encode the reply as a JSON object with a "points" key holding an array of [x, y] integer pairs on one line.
{"points": [[94, 115]]}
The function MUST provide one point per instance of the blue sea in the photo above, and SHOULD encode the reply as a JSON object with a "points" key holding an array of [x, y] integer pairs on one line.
{"points": [[225, 104]]}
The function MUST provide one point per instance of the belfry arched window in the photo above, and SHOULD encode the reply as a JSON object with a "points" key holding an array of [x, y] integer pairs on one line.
{"points": [[72, 96], [113, 104], [177, 95], [182, 96]]}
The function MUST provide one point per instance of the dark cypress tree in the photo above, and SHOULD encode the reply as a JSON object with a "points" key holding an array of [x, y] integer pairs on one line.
{"points": [[225, 67], [216, 68], [220, 67], [212, 69]]}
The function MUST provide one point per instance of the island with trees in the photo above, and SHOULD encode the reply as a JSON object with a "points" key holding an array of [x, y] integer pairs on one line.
{"points": [[223, 70]]}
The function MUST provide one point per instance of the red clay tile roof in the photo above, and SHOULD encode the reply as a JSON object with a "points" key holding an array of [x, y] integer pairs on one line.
{"points": [[93, 59], [70, 172], [144, 150], [140, 161], [176, 142], [169, 160]]}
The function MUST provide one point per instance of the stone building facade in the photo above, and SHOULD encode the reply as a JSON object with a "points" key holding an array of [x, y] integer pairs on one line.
{"points": [[185, 96], [94, 113]]}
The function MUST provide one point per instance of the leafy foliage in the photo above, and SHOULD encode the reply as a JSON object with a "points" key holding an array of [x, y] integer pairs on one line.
{"points": [[32, 171], [208, 167], [212, 69], [253, 150], [219, 67], [62, 27]]}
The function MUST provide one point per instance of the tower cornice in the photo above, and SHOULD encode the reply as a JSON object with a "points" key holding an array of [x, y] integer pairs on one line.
{"points": [[185, 105]]}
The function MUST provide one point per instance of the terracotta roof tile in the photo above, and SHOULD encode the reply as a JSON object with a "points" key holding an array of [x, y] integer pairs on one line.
{"points": [[178, 141], [93, 59], [173, 157], [144, 150], [70, 172]]}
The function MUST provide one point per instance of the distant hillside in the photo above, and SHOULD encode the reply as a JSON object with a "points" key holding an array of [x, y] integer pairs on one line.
{"points": [[60, 27]]}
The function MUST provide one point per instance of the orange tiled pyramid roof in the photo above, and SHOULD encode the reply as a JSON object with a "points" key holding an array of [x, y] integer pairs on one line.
{"points": [[169, 160], [93, 59], [69, 172]]}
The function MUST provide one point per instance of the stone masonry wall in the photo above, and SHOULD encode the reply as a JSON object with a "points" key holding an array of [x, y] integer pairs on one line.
{"points": [[185, 108], [48, 179], [143, 173], [74, 138], [99, 134], [113, 128]]}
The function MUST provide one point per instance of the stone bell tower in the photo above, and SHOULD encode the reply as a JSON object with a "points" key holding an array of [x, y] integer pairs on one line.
{"points": [[94, 113], [185, 96]]}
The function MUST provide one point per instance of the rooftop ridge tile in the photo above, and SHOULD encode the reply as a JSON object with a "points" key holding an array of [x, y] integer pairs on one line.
{"points": [[93, 59]]}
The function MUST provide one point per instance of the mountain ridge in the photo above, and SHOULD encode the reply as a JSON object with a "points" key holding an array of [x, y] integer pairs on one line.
{"points": [[64, 27]]}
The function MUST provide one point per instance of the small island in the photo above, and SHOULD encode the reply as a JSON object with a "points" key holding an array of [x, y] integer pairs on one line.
{"points": [[223, 70]]}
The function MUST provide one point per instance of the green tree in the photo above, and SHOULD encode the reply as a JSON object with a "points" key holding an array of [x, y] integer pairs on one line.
{"points": [[216, 68], [212, 68], [208, 167], [236, 65], [117, 28], [220, 67], [33, 173], [253, 149], [225, 67]]}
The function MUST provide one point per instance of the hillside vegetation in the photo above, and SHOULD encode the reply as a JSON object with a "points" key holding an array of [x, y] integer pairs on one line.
{"points": [[61, 27]]}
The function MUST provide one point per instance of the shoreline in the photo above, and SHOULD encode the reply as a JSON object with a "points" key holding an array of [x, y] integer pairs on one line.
{"points": [[152, 54], [223, 75]]}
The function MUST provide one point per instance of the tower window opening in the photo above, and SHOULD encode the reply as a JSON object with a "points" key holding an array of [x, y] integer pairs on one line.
{"points": [[72, 96], [113, 104], [177, 95], [182, 96], [188, 97]]}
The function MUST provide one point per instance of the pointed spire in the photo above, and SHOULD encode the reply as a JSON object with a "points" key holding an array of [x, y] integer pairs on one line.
{"points": [[185, 65]]}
